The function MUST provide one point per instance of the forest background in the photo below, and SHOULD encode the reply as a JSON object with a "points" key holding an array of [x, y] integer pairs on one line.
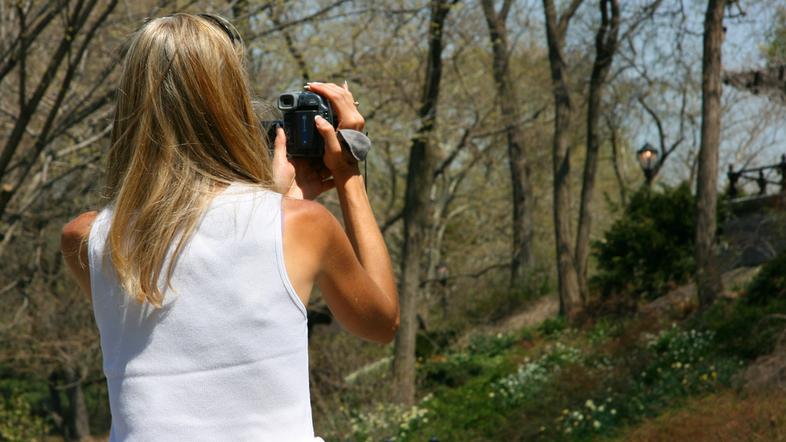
{"points": [[505, 145]]}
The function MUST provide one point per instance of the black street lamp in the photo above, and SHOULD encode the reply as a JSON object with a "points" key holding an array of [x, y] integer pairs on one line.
{"points": [[648, 160]]}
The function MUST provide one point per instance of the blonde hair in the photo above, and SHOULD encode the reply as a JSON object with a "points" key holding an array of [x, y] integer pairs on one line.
{"points": [[184, 124]]}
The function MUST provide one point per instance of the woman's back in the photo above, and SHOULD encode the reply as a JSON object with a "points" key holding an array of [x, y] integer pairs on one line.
{"points": [[223, 355], [226, 357]]}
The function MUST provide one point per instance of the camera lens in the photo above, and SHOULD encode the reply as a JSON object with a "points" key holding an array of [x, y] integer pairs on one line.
{"points": [[286, 101]]}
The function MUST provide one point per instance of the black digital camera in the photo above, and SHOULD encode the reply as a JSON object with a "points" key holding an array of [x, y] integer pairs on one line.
{"points": [[298, 110]]}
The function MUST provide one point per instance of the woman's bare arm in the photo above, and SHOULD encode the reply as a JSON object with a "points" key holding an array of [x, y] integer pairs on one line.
{"points": [[73, 244], [315, 246], [353, 268]]}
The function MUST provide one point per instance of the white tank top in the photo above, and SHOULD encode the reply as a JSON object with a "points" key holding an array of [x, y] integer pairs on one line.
{"points": [[226, 357]]}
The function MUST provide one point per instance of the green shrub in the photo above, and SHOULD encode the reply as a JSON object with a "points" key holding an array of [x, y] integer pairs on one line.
{"points": [[434, 341], [748, 327], [650, 246], [603, 330], [490, 345], [386, 419], [482, 407], [451, 371], [669, 366], [769, 283], [532, 376], [17, 421], [552, 326]]}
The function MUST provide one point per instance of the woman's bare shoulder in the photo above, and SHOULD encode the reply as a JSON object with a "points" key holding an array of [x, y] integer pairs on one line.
{"points": [[74, 248], [309, 216], [79, 227]]}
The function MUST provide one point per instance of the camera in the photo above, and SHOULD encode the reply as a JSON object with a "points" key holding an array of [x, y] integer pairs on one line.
{"points": [[298, 110]]}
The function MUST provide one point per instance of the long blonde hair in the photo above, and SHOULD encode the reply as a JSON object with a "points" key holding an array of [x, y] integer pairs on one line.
{"points": [[184, 124]]}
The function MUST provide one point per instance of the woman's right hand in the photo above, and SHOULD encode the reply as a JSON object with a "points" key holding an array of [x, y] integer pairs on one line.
{"points": [[299, 178], [340, 163]]}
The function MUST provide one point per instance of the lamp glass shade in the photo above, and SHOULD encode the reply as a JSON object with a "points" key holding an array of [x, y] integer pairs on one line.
{"points": [[648, 158]]}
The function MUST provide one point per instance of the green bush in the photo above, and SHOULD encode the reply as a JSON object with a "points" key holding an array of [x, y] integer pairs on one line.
{"points": [[452, 371], [743, 329], [17, 421], [432, 342], [653, 376], [490, 345], [649, 247], [769, 283], [553, 326], [748, 327]]}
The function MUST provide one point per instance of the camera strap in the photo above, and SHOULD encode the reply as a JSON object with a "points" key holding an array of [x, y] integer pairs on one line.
{"points": [[357, 142], [358, 145]]}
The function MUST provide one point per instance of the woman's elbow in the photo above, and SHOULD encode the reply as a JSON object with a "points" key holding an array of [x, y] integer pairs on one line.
{"points": [[392, 324], [386, 336], [385, 326]]}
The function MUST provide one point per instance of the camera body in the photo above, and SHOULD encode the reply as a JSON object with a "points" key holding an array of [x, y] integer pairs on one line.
{"points": [[298, 110]]}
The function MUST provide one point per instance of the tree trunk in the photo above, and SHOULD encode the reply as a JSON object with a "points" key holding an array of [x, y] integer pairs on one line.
{"points": [[569, 293], [78, 419], [56, 410], [510, 108], [707, 276], [605, 47], [615, 161], [420, 176]]}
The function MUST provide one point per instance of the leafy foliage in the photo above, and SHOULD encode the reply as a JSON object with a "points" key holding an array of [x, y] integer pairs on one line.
{"points": [[553, 326], [749, 326], [769, 283], [650, 246], [775, 50], [18, 422], [677, 363]]}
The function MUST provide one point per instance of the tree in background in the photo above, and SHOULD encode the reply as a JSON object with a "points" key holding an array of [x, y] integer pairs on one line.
{"points": [[511, 114], [708, 280], [570, 300], [606, 41], [420, 177]]}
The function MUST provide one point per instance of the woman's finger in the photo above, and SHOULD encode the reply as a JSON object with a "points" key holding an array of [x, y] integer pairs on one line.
{"points": [[283, 170], [280, 144], [341, 92], [331, 91], [328, 133], [323, 89]]}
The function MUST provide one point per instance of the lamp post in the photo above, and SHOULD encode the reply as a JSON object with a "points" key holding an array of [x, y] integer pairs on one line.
{"points": [[648, 160]]}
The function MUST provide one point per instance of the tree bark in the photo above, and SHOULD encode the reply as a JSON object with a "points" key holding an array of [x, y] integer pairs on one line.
{"points": [[79, 421], [569, 293], [605, 47], [56, 410], [420, 176], [615, 161], [708, 278], [510, 109]]}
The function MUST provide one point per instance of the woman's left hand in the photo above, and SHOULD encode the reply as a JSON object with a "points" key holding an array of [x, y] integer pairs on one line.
{"points": [[343, 104], [299, 178]]}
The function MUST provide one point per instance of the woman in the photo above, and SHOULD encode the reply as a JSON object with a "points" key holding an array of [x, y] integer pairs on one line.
{"points": [[198, 268]]}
